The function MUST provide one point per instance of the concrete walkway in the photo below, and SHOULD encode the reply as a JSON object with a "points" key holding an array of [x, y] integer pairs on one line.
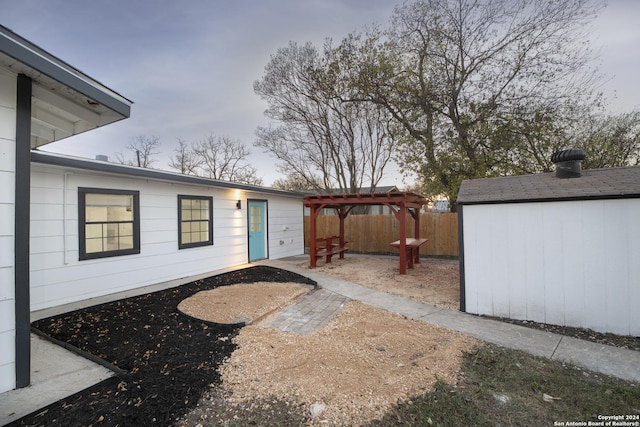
{"points": [[617, 362], [310, 312], [58, 373]]}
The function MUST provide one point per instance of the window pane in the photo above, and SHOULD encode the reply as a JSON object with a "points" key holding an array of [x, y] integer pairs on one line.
{"points": [[93, 245], [125, 229], [186, 238], [255, 219], [125, 242], [111, 230], [111, 243], [95, 213], [186, 212], [93, 231], [108, 207]]}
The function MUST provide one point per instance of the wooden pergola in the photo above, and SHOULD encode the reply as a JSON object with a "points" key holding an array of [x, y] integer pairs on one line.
{"points": [[400, 203]]}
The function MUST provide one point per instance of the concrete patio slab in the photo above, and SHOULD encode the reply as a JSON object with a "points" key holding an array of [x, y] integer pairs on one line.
{"points": [[56, 373]]}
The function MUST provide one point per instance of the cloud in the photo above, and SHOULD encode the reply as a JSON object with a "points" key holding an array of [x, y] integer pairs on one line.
{"points": [[189, 67]]}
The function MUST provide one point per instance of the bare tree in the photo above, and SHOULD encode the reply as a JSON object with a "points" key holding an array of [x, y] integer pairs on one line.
{"points": [[185, 160], [142, 148], [460, 76], [296, 182], [316, 133], [223, 158]]}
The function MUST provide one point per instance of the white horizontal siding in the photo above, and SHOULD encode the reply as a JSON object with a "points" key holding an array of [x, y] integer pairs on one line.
{"points": [[286, 228], [7, 360], [8, 96], [7, 228], [6, 291], [7, 190], [58, 277], [566, 263]]}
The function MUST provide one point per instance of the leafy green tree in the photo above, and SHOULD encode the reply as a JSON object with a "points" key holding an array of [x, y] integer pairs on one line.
{"points": [[472, 82], [610, 140]]}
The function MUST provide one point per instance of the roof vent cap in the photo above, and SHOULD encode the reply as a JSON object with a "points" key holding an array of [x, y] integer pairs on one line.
{"points": [[568, 162]]}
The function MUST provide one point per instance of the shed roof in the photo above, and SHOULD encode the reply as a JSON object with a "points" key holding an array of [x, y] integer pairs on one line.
{"points": [[609, 183], [145, 173]]}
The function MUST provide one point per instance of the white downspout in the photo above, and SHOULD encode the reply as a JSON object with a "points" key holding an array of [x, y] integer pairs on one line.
{"points": [[65, 186]]}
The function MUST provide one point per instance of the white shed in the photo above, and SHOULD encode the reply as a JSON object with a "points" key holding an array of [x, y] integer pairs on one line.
{"points": [[101, 228], [551, 250]]}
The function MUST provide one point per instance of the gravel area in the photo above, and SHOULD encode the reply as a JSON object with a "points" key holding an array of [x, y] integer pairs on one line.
{"points": [[433, 281], [352, 371], [242, 303]]}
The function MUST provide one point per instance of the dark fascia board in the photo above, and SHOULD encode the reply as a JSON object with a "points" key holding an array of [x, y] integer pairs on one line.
{"points": [[39, 60], [154, 174], [552, 199]]}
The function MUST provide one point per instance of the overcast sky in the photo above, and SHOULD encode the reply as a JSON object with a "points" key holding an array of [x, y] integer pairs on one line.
{"points": [[189, 66]]}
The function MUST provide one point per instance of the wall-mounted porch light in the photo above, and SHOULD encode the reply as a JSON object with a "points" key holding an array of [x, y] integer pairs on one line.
{"points": [[239, 204]]}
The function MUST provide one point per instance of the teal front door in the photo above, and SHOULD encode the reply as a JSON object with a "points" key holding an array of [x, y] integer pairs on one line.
{"points": [[257, 220]]}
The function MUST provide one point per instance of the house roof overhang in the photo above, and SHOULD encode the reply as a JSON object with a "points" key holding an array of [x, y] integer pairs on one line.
{"points": [[65, 101], [68, 162]]}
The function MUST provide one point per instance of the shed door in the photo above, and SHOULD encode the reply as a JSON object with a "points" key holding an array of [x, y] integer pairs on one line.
{"points": [[257, 220]]}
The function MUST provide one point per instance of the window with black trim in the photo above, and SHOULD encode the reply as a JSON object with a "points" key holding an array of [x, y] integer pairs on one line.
{"points": [[195, 221], [109, 222]]}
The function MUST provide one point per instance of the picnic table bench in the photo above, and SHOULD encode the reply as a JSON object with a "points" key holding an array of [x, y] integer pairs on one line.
{"points": [[329, 246], [412, 248]]}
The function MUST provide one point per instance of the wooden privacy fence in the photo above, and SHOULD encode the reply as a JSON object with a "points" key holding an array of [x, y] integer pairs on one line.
{"points": [[373, 233]]}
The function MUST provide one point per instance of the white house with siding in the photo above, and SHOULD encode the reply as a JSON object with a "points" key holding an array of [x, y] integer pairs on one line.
{"points": [[149, 227], [552, 250], [77, 230]]}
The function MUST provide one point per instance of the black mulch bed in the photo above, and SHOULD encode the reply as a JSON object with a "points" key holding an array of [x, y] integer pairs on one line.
{"points": [[170, 359]]}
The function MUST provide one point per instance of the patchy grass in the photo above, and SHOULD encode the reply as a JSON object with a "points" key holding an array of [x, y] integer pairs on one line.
{"points": [[215, 411], [507, 387], [497, 387]]}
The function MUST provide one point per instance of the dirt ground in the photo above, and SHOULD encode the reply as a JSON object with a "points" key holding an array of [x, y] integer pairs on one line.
{"points": [[352, 371], [356, 368], [241, 303], [433, 281]]}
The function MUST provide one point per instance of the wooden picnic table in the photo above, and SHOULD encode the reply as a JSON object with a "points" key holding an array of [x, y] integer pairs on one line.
{"points": [[412, 248], [329, 246]]}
